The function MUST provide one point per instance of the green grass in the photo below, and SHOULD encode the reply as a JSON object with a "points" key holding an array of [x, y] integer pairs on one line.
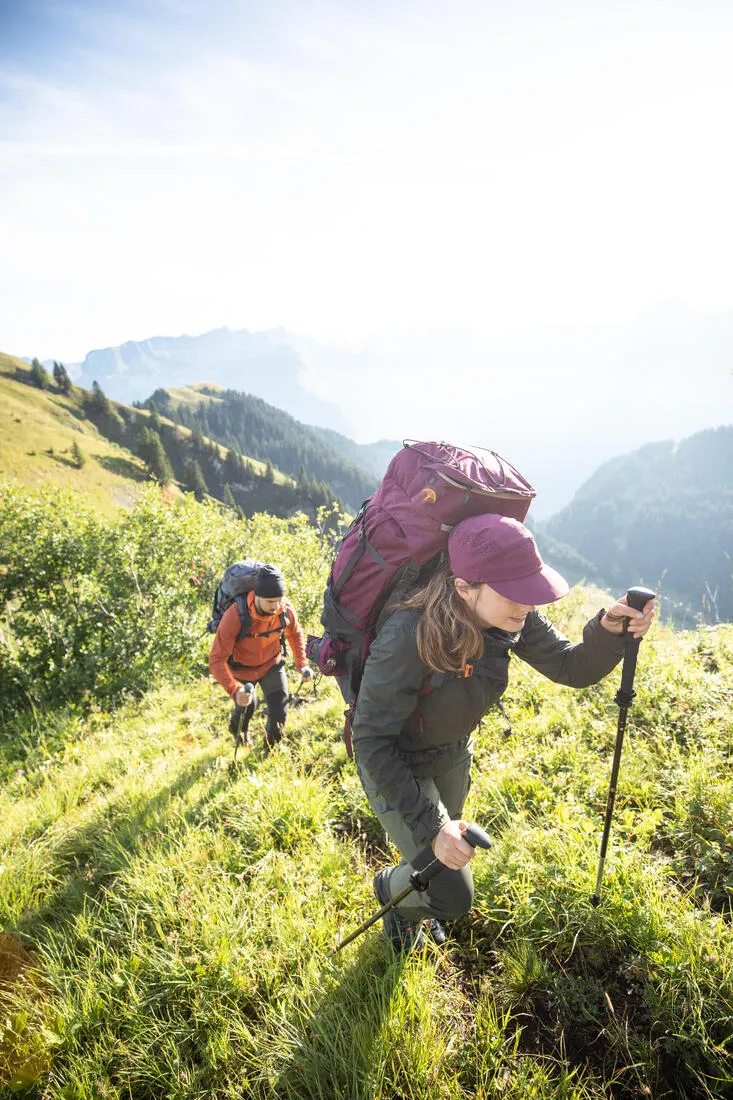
{"points": [[180, 913], [38, 429]]}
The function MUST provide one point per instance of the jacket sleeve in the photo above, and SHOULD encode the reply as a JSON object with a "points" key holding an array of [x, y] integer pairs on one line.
{"points": [[573, 664], [294, 635], [393, 676], [222, 648]]}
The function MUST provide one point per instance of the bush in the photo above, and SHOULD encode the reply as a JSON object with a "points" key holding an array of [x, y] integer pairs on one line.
{"points": [[94, 610]]}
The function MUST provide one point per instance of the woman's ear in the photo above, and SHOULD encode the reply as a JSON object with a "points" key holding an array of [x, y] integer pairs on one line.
{"points": [[462, 588]]}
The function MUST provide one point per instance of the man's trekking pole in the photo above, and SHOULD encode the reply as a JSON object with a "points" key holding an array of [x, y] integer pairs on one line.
{"points": [[419, 880], [238, 736], [636, 598]]}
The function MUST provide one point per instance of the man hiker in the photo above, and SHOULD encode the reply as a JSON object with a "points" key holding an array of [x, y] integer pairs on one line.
{"points": [[258, 657]]}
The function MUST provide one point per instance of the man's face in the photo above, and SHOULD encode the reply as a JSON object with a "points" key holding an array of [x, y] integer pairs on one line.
{"points": [[269, 606]]}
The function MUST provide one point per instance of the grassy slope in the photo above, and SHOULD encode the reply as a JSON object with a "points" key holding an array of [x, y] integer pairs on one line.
{"points": [[192, 396], [166, 921], [181, 913], [33, 422], [38, 429]]}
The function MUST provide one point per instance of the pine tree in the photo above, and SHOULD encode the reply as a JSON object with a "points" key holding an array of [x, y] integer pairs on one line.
{"points": [[153, 454], [79, 456], [194, 479], [100, 401], [39, 376], [269, 474], [154, 418], [61, 377], [228, 497]]}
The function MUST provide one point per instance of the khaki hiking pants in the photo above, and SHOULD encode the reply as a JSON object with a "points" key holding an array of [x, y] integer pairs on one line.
{"points": [[450, 894]]}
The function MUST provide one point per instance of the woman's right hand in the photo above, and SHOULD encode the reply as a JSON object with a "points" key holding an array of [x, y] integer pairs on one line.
{"points": [[450, 847], [243, 698]]}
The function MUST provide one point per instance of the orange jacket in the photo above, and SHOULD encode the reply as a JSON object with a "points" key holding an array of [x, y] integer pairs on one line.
{"points": [[258, 654]]}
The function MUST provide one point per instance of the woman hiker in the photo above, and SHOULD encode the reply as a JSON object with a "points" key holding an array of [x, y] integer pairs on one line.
{"points": [[259, 657], [440, 662]]}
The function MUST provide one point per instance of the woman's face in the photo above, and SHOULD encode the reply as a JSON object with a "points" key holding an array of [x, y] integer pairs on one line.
{"points": [[491, 609]]}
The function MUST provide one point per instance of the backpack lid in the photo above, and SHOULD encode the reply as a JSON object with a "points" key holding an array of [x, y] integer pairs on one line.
{"points": [[475, 468]]}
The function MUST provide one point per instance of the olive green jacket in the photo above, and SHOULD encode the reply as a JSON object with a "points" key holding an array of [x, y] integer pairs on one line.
{"points": [[408, 723]]}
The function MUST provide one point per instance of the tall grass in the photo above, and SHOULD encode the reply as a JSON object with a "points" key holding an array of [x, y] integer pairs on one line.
{"points": [[172, 917]]}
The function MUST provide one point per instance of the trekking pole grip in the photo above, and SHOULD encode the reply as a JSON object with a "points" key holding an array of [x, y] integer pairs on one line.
{"points": [[477, 837], [636, 597], [639, 596], [474, 835]]}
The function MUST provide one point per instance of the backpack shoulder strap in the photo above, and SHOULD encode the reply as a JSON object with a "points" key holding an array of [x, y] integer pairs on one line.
{"points": [[284, 624], [245, 619]]}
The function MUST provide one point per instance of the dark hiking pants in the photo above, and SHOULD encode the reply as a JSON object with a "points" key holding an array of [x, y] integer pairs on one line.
{"points": [[450, 894], [274, 686]]}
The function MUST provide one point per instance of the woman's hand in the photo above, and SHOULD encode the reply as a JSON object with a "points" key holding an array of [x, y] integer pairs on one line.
{"points": [[450, 847], [639, 621]]}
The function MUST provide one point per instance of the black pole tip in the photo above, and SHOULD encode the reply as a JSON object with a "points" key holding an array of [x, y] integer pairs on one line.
{"points": [[595, 900]]}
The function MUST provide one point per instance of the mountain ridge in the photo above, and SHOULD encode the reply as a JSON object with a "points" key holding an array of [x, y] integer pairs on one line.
{"points": [[607, 388]]}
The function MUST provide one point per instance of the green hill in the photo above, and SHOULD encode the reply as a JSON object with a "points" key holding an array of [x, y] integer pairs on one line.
{"points": [[664, 516], [38, 430], [42, 426], [249, 424], [168, 919]]}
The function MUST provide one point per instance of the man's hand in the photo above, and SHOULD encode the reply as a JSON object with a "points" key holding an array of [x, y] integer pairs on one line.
{"points": [[450, 847], [639, 621], [243, 697], [306, 672]]}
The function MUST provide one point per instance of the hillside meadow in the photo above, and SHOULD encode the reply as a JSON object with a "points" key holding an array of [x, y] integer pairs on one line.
{"points": [[170, 916], [39, 429]]}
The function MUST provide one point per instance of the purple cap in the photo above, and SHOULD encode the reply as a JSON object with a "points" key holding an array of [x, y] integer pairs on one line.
{"points": [[501, 552]]}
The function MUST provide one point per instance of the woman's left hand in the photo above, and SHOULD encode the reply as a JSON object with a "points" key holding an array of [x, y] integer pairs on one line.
{"points": [[639, 621], [450, 847]]}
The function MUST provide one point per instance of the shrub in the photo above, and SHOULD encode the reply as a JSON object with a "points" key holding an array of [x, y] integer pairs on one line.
{"points": [[93, 610]]}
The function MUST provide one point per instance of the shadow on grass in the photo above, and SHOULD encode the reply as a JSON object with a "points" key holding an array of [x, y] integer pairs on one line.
{"points": [[62, 459], [116, 464], [338, 1053], [86, 858]]}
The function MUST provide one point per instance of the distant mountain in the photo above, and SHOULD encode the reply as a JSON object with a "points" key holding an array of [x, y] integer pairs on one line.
{"points": [[557, 402], [250, 425], [662, 516], [262, 363]]}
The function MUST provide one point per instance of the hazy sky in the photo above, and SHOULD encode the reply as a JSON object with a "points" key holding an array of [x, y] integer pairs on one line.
{"points": [[171, 166]]}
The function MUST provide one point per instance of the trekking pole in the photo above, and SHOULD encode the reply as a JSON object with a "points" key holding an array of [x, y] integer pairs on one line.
{"points": [[419, 880], [238, 738], [636, 598]]}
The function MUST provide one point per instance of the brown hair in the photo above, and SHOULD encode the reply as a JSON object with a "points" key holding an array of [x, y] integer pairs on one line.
{"points": [[448, 637]]}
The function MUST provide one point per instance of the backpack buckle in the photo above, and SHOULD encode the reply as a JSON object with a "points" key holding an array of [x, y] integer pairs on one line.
{"points": [[465, 672]]}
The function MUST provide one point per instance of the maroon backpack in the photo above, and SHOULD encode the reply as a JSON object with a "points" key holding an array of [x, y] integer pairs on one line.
{"points": [[396, 541]]}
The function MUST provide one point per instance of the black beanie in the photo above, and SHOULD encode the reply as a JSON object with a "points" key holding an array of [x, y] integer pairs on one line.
{"points": [[269, 583]]}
